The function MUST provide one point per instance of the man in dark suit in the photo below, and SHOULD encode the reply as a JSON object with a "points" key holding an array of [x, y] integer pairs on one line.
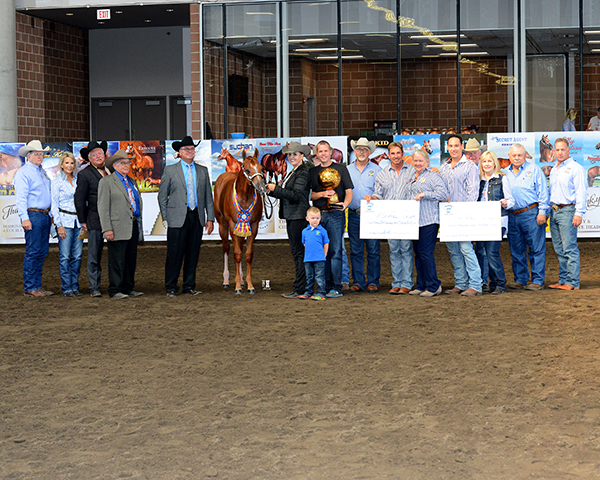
{"points": [[86, 205], [120, 212], [186, 205]]}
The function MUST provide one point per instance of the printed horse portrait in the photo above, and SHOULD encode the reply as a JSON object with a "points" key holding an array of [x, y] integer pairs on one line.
{"points": [[142, 167], [275, 166], [233, 164]]}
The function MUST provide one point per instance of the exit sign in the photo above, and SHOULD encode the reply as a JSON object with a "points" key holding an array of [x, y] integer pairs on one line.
{"points": [[103, 14]]}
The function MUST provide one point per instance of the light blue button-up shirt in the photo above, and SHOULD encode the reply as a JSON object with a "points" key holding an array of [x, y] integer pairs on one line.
{"points": [[32, 189], [364, 182], [185, 167], [63, 199], [528, 186], [567, 185]]}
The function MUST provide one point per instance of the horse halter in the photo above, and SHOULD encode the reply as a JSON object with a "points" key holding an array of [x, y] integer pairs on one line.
{"points": [[263, 195], [251, 177]]}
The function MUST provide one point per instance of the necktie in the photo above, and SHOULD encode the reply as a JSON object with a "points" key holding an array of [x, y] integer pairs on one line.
{"points": [[190, 189], [131, 196]]}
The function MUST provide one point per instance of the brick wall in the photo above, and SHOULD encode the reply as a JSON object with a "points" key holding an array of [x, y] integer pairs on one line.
{"points": [[52, 81], [429, 98], [591, 80]]}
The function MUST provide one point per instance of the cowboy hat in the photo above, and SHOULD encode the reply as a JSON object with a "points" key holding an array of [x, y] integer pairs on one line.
{"points": [[33, 146], [85, 151], [119, 155], [186, 142], [297, 147], [363, 142], [472, 145]]}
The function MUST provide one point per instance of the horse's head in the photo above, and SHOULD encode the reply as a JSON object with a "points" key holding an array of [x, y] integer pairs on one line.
{"points": [[252, 170], [223, 154]]}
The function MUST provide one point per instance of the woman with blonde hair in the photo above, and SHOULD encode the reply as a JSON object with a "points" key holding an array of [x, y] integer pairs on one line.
{"points": [[70, 246], [569, 121], [494, 187]]}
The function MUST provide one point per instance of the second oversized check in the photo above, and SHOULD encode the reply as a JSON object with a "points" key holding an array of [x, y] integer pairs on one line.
{"points": [[470, 221], [397, 219]]}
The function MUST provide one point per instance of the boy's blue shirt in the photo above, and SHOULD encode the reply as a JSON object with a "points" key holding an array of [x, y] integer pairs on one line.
{"points": [[314, 240]]}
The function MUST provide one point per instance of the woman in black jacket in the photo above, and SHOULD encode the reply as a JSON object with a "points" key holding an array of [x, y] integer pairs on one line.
{"points": [[293, 204]]}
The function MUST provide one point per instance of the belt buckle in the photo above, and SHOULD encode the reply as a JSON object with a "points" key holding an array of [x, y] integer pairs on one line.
{"points": [[555, 207]]}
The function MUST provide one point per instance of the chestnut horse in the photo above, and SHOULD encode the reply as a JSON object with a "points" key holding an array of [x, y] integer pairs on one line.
{"points": [[233, 164], [241, 220], [427, 147], [142, 166], [379, 158], [592, 174]]}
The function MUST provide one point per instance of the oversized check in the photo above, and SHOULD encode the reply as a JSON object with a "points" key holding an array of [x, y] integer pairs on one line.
{"points": [[397, 219], [462, 221]]}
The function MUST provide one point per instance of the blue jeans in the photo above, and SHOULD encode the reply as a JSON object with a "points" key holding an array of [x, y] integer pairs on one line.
{"points": [[424, 247], [483, 262], [345, 267], [564, 241], [466, 267], [357, 246], [401, 259], [315, 271], [69, 263], [37, 244], [491, 252], [334, 222], [524, 233]]}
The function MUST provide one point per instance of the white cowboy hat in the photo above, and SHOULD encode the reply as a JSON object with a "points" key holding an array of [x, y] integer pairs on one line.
{"points": [[472, 145], [33, 146], [363, 142]]}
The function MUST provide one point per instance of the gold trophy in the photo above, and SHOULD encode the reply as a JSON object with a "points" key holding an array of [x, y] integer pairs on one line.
{"points": [[329, 179]]}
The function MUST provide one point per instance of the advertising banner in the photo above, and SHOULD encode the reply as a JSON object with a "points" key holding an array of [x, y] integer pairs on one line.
{"points": [[412, 143]]}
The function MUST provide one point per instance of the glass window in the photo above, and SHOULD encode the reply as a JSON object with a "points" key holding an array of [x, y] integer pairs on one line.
{"points": [[250, 77], [312, 47], [552, 36]]}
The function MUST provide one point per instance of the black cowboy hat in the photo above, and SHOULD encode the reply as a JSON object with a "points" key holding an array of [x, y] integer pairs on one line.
{"points": [[85, 151], [186, 142]]}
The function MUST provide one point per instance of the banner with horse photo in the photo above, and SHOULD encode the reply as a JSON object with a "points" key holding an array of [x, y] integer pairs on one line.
{"points": [[147, 162], [414, 142], [584, 148], [10, 162]]}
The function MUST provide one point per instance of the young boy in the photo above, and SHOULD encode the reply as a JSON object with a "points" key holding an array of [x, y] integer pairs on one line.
{"points": [[316, 244]]}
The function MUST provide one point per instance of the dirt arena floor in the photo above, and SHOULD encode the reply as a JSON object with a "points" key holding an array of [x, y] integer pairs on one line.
{"points": [[368, 386]]}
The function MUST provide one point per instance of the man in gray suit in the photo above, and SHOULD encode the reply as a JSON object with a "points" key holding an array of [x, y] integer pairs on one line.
{"points": [[186, 205], [120, 211]]}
